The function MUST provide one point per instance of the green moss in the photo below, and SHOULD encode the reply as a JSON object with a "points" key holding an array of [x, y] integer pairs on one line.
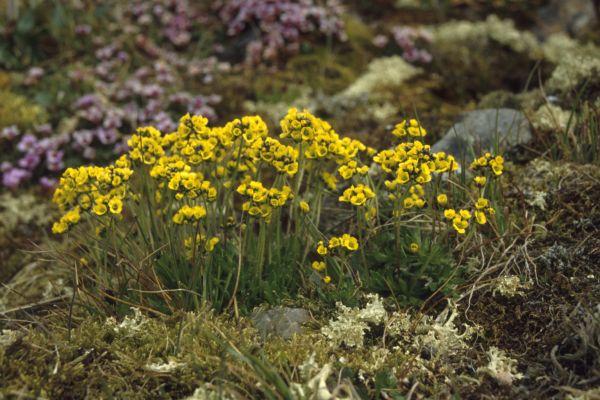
{"points": [[17, 110]]}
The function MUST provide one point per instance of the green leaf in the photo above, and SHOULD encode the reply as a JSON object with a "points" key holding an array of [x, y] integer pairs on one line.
{"points": [[26, 22]]}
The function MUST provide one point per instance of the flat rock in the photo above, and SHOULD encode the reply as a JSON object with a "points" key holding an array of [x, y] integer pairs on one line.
{"points": [[280, 321], [477, 131]]}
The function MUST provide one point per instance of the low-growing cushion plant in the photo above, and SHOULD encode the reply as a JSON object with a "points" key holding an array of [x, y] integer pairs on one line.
{"points": [[231, 217]]}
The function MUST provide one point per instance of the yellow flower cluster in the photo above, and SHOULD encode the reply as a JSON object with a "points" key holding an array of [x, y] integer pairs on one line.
{"points": [[97, 190], [209, 245], [180, 178], [460, 219], [494, 164], [357, 195], [412, 162], [416, 198], [410, 128], [262, 201], [346, 242], [189, 215], [299, 125], [321, 142], [349, 169], [281, 157], [330, 181], [146, 145], [200, 164], [196, 142]]}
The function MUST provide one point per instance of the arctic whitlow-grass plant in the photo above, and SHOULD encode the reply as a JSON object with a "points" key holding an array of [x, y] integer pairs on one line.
{"points": [[230, 216]]}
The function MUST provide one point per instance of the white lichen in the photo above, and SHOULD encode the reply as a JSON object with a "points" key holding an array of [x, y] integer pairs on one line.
{"points": [[130, 324], [169, 366], [573, 71], [351, 324], [22, 209], [314, 384], [493, 29], [501, 367], [8, 337], [552, 118], [536, 198], [559, 45], [510, 286], [441, 337], [382, 74], [207, 392]]}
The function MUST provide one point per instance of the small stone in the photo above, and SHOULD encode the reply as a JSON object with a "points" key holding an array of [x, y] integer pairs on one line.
{"points": [[477, 131], [284, 322]]}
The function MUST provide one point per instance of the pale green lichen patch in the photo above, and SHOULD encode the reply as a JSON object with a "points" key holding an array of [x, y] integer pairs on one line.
{"points": [[351, 324], [493, 28], [510, 286], [382, 74], [501, 367]]}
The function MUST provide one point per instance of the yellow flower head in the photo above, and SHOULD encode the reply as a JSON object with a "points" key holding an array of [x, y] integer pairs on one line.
{"points": [[481, 203], [480, 181], [480, 217], [304, 207], [414, 248], [318, 266], [349, 242], [449, 213], [442, 199], [115, 205], [357, 195], [211, 243], [321, 249], [460, 225]]}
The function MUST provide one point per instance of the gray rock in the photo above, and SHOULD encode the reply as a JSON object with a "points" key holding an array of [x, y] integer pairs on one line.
{"points": [[280, 321], [478, 131], [576, 17]]}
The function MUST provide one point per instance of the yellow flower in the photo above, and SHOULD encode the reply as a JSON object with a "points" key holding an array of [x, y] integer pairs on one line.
{"points": [[116, 205], [460, 225], [349, 242], [212, 242], [442, 199], [73, 216], [304, 207], [187, 214], [465, 214], [449, 213], [400, 129], [318, 266], [99, 209], [334, 242], [481, 203], [321, 249], [357, 195], [480, 217], [327, 279], [178, 218], [414, 248], [480, 181], [60, 227]]}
